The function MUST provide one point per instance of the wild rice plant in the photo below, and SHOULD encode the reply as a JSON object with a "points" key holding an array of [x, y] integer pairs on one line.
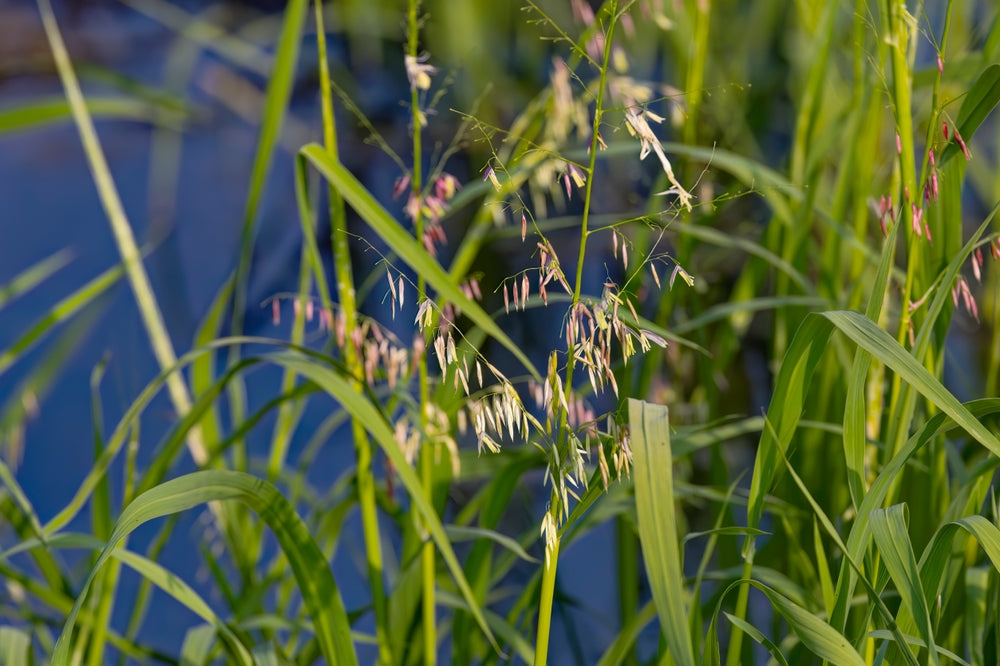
{"points": [[837, 264]]}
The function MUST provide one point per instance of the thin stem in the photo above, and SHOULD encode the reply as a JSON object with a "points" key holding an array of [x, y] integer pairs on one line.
{"points": [[735, 651], [545, 602], [556, 507], [427, 450], [898, 37]]}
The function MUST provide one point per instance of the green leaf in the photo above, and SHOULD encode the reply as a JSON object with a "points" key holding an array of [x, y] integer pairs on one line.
{"points": [[755, 633], [27, 279], [795, 377], [312, 573], [822, 639], [149, 309], [652, 472], [40, 113], [462, 533], [889, 531], [913, 640], [790, 390], [58, 313]]}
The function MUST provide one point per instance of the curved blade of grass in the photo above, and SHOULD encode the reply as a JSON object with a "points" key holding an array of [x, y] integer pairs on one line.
{"points": [[463, 533], [979, 102], [58, 313], [27, 279], [315, 581], [889, 531], [652, 473], [857, 541], [854, 407], [818, 636], [790, 389], [866, 334], [183, 593], [365, 412], [917, 642], [794, 378], [161, 464], [40, 113], [822, 639], [152, 318], [407, 248], [755, 633], [156, 574], [938, 554]]}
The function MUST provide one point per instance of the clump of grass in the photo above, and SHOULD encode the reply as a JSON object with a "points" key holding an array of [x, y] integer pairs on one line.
{"points": [[866, 469]]}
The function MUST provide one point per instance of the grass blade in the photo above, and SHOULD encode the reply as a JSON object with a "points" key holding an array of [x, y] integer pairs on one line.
{"points": [[889, 531], [649, 429], [792, 384], [26, 280], [316, 583], [152, 318], [58, 313], [822, 639]]}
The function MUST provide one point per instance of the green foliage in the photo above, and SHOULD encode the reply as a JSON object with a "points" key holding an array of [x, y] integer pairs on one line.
{"points": [[746, 243]]}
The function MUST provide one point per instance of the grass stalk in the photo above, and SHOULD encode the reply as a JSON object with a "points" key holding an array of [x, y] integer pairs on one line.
{"points": [[346, 295], [428, 448], [548, 586], [628, 578], [135, 271], [902, 399]]}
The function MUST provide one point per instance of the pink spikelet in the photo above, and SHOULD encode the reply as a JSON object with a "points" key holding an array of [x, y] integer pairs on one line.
{"points": [[965, 149]]}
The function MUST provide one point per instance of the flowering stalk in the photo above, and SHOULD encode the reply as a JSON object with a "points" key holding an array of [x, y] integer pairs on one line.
{"points": [[556, 509], [419, 77]]}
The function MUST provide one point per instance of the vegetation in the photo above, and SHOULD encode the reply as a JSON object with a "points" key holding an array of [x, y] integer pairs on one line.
{"points": [[825, 215]]}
